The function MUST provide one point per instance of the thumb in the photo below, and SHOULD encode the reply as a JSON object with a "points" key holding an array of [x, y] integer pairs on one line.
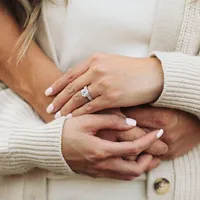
{"points": [[109, 121]]}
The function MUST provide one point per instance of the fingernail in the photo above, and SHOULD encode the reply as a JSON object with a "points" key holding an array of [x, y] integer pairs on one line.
{"points": [[50, 108], [69, 116], [160, 133], [57, 115], [131, 122], [49, 91]]}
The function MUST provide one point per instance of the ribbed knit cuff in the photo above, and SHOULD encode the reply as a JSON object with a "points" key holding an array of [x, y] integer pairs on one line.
{"points": [[187, 173], [38, 146], [181, 82]]}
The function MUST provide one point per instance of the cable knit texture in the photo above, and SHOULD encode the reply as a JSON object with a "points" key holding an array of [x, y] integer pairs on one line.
{"points": [[176, 42], [181, 67], [25, 141]]}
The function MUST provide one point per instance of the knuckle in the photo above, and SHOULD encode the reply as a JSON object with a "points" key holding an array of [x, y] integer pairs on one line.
{"points": [[97, 55], [112, 96], [99, 69], [170, 139], [99, 155], [58, 102], [134, 150], [114, 120], [70, 89], [89, 108], [76, 97], [70, 75], [104, 83]]}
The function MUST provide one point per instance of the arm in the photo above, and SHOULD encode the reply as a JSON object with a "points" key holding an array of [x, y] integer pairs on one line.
{"points": [[25, 141], [171, 80], [181, 82], [21, 77]]}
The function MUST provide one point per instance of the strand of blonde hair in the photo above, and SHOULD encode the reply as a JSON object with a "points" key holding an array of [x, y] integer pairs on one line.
{"points": [[30, 27]]}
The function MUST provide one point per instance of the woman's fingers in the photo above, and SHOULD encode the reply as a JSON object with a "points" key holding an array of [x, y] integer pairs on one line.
{"points": [[76, 101], [123, 167], [106, 121], [92, 107], [68, 77], [123, 149], [68, 92]]}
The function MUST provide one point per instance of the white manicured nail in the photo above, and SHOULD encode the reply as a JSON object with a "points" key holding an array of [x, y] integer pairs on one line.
{"points": [[131, 122], [69, 116], [160, 133], [50, 108], [57, 115], [49, 91]]}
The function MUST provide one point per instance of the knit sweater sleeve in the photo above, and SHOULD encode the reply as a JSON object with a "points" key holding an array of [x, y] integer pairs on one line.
{"points": [[26, 141], [181, 82]]}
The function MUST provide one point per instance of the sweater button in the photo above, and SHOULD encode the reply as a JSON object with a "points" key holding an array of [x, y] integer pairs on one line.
{"points": [[162, 186]]}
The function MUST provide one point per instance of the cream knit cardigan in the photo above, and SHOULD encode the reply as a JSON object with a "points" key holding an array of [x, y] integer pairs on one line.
{"points": [[27, 143]]}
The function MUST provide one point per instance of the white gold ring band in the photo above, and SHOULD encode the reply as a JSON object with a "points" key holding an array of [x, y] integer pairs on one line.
{"points": [[85, 93]]}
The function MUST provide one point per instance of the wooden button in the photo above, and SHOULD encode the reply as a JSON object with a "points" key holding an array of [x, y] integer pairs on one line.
{"points": [[162, 186]]}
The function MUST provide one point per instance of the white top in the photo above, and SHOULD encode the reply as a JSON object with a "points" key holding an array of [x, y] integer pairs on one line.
{"points": [[116, 27], [109, 26], [27, 142]]}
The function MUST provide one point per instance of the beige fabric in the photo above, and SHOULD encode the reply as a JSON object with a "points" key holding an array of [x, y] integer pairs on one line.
{"points": [[177, 29]]}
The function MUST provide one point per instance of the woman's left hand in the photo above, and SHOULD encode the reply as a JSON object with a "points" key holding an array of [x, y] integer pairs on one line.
{"points": [[112, 81]]}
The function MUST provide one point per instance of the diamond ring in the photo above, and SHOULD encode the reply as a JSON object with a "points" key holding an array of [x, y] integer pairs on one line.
{"points": [[85, 93]]}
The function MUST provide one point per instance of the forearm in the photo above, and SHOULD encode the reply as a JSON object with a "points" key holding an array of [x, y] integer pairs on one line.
{"points": [[181, 82], [26, 141], [32, 75]]}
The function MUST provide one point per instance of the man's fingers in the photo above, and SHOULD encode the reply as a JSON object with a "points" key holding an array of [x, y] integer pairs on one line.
{"points": [[153, 164], [123, 149], [68, 77], [130, 135], [158, 148], [146, 115], [144, 161]]}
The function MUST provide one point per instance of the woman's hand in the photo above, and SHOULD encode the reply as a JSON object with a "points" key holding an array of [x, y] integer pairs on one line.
{"points": [[85, 153], [182, 130], [112, 80]]}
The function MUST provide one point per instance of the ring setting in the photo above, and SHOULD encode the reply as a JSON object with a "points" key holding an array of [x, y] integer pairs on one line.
{"points": [[85, 93]]}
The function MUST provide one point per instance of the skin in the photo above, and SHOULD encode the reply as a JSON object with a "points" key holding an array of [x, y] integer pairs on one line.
{"points": [[22, 80], [181, 129], [113, 81]]}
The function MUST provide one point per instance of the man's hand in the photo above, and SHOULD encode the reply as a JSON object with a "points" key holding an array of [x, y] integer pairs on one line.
{"points": [[156, 149], [182, 130]]}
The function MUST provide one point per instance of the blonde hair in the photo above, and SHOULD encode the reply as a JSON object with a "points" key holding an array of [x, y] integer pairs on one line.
{"points": [[26, 13]]}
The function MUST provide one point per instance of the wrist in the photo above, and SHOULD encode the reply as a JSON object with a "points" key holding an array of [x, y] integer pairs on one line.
{"points": [[41, 74], [157, 79]]}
